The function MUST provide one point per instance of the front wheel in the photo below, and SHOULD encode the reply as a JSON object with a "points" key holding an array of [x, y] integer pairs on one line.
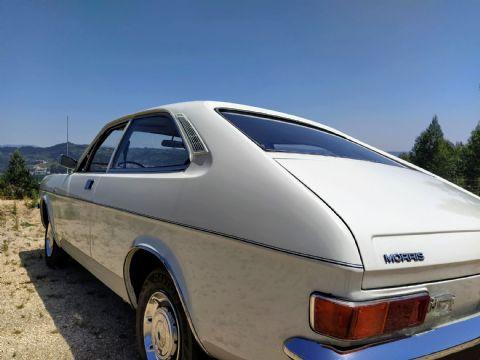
{"points": [[163, 332], [54, 255]]}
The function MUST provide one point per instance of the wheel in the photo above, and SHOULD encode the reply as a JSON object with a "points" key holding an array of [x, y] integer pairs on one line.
{"points": [[54, 255], [163, 332]]}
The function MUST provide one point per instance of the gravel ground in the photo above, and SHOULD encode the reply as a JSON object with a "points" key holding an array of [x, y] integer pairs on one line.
{"points": [[65, 313], [54, 314]]}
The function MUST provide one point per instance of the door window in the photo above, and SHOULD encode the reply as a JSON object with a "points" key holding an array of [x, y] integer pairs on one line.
{"points": [[151, 144], [103, 153]]}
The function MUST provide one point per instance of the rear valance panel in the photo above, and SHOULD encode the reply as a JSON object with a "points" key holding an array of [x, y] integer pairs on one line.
{"points": [[420, 258]]}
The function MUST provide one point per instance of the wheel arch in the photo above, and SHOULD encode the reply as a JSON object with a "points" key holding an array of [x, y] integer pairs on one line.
{"points": [[44, 214], [142, 250]]}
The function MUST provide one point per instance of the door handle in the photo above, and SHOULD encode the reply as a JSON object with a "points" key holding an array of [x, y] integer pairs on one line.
{"points": [[89, 184]]}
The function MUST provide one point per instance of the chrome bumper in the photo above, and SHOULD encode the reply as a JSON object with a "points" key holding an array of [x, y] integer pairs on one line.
{"points": [[431, 344]]}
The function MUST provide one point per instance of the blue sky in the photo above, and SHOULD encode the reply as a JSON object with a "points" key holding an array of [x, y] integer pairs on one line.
{"points": [[378, 70]]}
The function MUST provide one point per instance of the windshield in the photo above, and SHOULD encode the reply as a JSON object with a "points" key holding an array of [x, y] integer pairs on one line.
{"points": [[286, 136]]}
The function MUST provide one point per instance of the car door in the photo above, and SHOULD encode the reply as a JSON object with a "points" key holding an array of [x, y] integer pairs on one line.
{"points": [[145, 176], [82, 184]]}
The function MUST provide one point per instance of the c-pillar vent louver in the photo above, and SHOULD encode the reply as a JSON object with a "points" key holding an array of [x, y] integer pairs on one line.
{"points": [[198, 146]]}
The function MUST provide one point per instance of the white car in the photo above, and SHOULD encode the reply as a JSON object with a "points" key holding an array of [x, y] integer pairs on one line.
{"points": [[243, 233]]}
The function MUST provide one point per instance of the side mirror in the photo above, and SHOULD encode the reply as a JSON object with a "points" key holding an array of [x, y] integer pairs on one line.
{"points": [[68, 162]]}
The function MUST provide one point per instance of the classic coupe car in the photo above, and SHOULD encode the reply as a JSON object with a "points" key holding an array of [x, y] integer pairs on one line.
{"points": [[244, 233]]}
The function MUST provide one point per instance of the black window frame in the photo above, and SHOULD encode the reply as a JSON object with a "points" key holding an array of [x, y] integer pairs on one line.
{"points": [[88, 158], [221, 110], [167, 169]]}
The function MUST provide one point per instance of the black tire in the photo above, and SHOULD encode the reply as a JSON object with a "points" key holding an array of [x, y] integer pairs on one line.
{"points": [[54, 255], [158, 281]]}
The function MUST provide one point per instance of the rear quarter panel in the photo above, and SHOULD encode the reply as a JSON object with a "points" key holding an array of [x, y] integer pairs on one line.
{"points": [[244, 300]]}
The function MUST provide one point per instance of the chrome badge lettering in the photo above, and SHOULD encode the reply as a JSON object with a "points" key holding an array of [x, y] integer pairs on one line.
{"points": [[403, 257]]}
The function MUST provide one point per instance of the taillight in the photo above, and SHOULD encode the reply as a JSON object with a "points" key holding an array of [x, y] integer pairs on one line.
{"points": [[362, 320]]}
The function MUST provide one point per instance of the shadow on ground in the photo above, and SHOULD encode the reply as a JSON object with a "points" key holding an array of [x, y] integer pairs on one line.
{"points": [[95, 322], [468, 354]]}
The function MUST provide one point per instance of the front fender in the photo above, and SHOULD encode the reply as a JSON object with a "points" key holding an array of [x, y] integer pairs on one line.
{"points": [[47, 215], [44, 212]]}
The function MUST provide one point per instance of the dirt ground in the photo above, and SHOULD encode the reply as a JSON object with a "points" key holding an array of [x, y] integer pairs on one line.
{"points": [[64, 313], [54, 314]]}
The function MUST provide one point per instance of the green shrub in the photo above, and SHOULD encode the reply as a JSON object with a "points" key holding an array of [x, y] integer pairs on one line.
{"points": [[32, 201], [16, 182]]}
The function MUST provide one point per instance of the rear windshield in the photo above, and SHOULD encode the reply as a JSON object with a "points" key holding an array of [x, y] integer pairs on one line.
{"points": [[290, 137]]}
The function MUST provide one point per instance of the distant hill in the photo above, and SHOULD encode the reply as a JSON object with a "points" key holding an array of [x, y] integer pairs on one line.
{"points": [[35, 154], [49, 155]]}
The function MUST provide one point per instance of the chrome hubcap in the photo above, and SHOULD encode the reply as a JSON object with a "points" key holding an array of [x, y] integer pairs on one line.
{"points": [[49, 242], [160, 331]]}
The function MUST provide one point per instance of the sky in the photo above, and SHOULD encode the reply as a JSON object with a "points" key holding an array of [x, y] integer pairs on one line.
{"points": [[377, 70]]}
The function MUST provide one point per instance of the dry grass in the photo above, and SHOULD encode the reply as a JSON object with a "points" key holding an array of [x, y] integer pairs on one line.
{"points": [[54, 314], [3, 219], [15, 216]]}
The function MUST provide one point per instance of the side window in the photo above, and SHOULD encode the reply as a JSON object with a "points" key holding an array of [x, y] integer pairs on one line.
{"points": [[103, 153], [151, 144]]}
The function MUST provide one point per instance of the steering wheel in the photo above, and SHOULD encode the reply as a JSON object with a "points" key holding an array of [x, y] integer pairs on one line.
{"points": [[130, 162]]}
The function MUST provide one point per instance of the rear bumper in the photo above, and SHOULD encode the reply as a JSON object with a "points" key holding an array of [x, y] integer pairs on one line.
{"points": [[431, 344]]}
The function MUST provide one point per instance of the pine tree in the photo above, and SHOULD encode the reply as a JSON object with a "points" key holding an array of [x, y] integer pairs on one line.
{"points": [[434, 153], [16, 181], [471, 161]]}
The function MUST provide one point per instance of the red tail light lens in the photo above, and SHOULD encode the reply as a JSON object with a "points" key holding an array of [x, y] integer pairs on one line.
{"points": [[362, 320]]}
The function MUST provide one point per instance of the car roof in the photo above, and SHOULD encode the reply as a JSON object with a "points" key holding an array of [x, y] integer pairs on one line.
{"points": [[213, 105], [187, 106], [176, 108]]}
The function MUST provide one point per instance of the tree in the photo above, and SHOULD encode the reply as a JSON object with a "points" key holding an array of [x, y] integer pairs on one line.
{"points": [[405, 156], [459, 163], [434, 153], [16, 181], [471, 160]]}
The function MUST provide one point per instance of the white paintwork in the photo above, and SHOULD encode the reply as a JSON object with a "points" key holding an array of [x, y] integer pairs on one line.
{"points": [[391, 210], [247, 242]]}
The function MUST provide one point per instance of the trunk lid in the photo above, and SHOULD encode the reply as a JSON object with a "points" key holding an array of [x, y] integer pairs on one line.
{"points": [[398, 213]]}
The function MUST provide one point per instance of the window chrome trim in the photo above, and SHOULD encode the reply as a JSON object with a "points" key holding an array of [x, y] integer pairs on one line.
{"points": [[158, 170], [86, 158], [114, 155]]}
